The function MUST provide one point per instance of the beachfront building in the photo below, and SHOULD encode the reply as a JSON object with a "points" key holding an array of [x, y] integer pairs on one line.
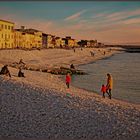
{"points": [[88, 43], [50, 41], [63, 44], [44, 40], [76, 43], [6, 34], [36, 36], [93, 43], [83, 43], [70, 42], [27, 38], [23, 39], [58, 42], [18, 39]]}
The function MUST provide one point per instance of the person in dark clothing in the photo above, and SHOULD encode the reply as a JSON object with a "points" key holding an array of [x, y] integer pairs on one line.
{"points": [[72, 66], [5, 71], [20, 73], [21, 61]]}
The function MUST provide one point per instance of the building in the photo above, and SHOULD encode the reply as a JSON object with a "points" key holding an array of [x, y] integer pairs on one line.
{"points": [[70, 42], [50, 41], [6, 34], [44, 40], [36, 36], [58, 42], [27, 38]]}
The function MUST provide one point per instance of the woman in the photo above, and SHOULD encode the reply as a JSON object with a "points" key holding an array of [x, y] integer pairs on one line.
{"points": [[109, 85]]}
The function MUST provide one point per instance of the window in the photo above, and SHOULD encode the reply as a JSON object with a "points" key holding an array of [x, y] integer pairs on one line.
{"points": [[5, 26], [9, 27], [1, 35], [9, 36], [5, 36], [2, 26]]}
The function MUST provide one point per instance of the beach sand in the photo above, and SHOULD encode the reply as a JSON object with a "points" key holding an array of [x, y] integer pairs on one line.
{"points": [[40, 105]]}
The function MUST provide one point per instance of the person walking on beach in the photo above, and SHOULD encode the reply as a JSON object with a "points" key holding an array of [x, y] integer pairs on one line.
{"points": [[68, 80], [103, 90], [109, 85]]}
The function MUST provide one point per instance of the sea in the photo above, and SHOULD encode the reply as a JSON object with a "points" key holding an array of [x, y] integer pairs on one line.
{"points": [[125, 70]]}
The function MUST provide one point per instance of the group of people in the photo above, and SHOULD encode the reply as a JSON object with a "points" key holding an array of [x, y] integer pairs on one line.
{"points": [[104, 89], [107, 88], [5, 70]]}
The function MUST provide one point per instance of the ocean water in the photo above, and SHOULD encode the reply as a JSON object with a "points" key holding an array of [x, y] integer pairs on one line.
{"points": [[125, 70]]}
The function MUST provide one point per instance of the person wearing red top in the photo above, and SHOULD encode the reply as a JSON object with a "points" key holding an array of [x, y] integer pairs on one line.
{"points": [[103, 90], [68, 79]]}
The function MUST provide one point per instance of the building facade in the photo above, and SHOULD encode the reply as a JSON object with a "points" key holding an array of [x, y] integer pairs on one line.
{"points": [[6, 34], [27, 38]]}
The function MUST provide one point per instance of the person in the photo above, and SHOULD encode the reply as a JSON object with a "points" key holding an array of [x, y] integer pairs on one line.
{"points": [[21, 64], [103, 90], [21, 61], [72, 66], [92, 53], [68, 80], [5, 71], [20, 73], [74, 49], [109, 85]]}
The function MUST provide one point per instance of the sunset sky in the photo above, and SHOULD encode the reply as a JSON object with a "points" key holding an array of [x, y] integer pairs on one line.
{"points": [[114, 22]]}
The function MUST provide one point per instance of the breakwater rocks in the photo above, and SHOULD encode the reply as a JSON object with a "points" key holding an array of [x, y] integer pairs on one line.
{"points": [[52, 70]]}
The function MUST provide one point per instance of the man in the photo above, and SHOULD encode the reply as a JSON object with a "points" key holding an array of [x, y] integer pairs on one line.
{"points": [[109, 85]]}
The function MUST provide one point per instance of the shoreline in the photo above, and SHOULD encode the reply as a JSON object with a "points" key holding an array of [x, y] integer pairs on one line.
{"points": [[58, 78]]}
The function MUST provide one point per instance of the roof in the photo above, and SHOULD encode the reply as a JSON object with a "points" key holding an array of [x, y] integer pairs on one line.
{"points": [[7, 21]]}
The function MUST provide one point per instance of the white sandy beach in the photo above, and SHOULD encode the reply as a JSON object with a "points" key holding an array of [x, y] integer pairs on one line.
{"points": [[38, 106]]}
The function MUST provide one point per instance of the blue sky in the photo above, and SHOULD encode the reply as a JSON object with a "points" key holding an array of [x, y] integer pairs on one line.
{"points": [[116, 22]]}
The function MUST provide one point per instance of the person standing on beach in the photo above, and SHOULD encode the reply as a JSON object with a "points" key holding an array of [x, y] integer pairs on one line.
{"points": [[68, 80], [103, 90], [109, 85]]}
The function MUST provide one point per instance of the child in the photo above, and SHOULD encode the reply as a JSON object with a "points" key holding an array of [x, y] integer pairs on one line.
{"points": [[103, 90], [68, 79]]}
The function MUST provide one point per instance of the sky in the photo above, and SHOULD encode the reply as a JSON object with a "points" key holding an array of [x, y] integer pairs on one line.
{"points": [[106, 21]]}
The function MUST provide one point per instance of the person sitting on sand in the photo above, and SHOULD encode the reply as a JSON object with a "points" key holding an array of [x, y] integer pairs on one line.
{"points": [[72, 66], [68, 80], [109, 85], [5, 71], [103, 90], [20, 73]]}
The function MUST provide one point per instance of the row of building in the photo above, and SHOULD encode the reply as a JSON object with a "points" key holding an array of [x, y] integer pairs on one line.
{"points": [[32, 38]]}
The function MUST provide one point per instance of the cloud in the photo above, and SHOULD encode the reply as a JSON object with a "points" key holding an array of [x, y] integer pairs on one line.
{"points": [[74, 16], [132, 21], [123, 15]]}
